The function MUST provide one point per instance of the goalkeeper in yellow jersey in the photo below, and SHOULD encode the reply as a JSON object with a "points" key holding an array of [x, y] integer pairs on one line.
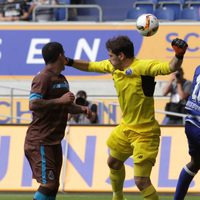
{"points": [[138, 134]]}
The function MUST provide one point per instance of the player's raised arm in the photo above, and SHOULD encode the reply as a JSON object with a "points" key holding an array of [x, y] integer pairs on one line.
{"points": [[180, 47], [78, 64]]}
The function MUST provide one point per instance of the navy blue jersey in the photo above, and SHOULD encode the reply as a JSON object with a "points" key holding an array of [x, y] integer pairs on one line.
{"points": [[193, 103]]}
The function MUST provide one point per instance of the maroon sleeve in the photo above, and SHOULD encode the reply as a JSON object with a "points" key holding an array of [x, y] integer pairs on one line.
{"points": [[40, 86]]}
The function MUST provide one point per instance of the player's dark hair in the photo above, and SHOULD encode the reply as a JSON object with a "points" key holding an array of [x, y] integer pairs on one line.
{"points": [[51, 52], [121, 44]]}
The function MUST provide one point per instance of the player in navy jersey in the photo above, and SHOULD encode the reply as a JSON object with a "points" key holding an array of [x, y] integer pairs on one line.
{"points": [[192, 130], [50, 103]]}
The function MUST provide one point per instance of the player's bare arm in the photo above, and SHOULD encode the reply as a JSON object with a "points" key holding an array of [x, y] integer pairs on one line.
{"points": [[76, 109], [179, 46], [67, 99], [175, 64]]}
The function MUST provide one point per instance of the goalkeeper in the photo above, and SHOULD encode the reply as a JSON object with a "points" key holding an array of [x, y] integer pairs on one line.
{"points": [[138, 133]]}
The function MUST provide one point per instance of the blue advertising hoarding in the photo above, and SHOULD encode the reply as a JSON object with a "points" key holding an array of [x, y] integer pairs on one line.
{"points": [[20, 50]]}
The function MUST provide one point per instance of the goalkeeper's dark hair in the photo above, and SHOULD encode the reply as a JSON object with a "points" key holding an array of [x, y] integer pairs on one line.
{"points": [[51, 52], [121, 44]]}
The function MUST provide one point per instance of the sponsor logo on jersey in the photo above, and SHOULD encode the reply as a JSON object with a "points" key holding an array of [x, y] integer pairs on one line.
{"points": [[129, 72], [51, 175]]}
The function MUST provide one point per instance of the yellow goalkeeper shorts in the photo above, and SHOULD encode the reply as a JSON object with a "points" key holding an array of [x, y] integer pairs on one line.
{"points": [[124, 142]]}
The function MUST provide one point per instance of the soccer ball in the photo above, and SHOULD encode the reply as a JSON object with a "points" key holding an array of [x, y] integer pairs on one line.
{"points": [[147, 24]]}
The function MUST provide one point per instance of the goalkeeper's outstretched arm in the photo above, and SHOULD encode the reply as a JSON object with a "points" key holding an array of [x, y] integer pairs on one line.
{"points": [[78, 64]]}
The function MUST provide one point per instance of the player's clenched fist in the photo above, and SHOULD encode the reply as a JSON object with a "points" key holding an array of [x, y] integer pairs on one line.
{"points": [[67, 98], [180, 47], [87, 111]]}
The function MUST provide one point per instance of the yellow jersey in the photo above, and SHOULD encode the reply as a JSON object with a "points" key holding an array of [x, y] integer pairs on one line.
{"points": [[135, 87]]}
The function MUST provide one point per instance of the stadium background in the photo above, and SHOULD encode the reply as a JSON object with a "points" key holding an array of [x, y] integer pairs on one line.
{"points": [[86, 169]]}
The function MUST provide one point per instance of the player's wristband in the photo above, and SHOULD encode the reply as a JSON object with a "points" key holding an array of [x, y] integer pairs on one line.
{"points": [[70, 61], [179, 57]]}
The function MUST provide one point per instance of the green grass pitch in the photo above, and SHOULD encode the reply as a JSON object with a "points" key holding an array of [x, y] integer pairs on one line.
{"points": [[86, 196]]}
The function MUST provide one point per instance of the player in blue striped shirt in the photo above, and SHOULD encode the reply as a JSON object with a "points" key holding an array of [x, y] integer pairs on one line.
{"points": [[192, 130]]}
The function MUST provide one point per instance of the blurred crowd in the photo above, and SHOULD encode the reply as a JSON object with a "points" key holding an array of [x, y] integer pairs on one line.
{"points": [[22, 10], [115, 10]]}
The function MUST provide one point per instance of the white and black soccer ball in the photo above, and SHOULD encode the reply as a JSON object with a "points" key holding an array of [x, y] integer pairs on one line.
{"points": [[147, 24]]}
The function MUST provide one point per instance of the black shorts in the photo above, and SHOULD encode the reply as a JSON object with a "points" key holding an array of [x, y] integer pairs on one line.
{"points": [[45, 162]]}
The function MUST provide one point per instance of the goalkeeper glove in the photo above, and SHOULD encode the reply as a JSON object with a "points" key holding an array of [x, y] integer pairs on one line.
{"points": [[179, 47], [69, 61]]}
